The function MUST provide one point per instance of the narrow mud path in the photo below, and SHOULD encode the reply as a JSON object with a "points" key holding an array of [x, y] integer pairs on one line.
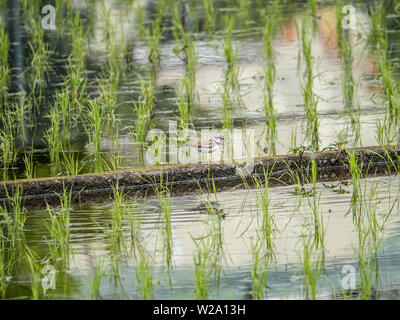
{"points": [[197, 178]]}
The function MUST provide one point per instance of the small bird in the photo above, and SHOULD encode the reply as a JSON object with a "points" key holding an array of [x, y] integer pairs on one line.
{"points": [[207, 146], [211, 207]]}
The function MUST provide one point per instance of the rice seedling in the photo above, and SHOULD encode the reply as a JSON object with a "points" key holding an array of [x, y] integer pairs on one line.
{"points": [[15, 219], [8, 136], [183, 106], [99, 272], [213, 235], [29, 165], [64, 104], [76, 77], [209, 16], [53, 135], [70, 160], [3, 265], [378, 26], [140, 21], [135, 215], [313, 8], [231, 56], [386, 66], [114, 158], [386, 132], [392, 95], [310, 99], [59, 228], [119, 211], [147, 91], [164, 198], [319, 230], [40, 53], [93, 125], [226, 108], [77, 56], [12, 238], [215, 241], [142, 122], [269, 79], [36, 269], [189, 81], [4, 69], [259, 272], [356, 174], [348, 86], [268, 220], [201, 272], [312, 264], [144, 276], [244, 10], [154, 34]]}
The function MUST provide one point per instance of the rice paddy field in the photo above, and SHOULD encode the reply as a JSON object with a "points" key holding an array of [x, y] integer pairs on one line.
{"points": [[94, 86]]}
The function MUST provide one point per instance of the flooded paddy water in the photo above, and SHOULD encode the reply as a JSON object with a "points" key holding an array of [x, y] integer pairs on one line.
{"points": [[116, 83]]}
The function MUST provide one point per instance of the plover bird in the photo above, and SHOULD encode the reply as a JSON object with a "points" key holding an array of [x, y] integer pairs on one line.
{"points": [[211, 207], [207, 146]]}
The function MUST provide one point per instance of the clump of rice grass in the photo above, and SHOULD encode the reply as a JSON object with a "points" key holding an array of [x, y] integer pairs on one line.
{"points": [[4, 69], [213, 236], [53, 135], [310, 99], [312, 267], [135, 215], [268, 220], [164, 198], [59, 228], [154, 34], [144, 276], [259, 272], [231, 56], [142, 121], [36, 269], [119, 211], [183, 106], [13, 231], [8, 140], [386, 66], [40, 54], [226, 108], [140, 21], [244, 10], [76, 79], [356, 175], [209, 16], [3, 265], [71, 161], [201, 260], [378, 26], [269, 77], [29, 165], [348, 85], [99, 272], [93, 125], [319, 230], [313, 10]]}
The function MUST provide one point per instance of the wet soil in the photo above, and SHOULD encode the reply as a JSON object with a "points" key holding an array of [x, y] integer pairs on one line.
{"points": [[191, 179]]}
